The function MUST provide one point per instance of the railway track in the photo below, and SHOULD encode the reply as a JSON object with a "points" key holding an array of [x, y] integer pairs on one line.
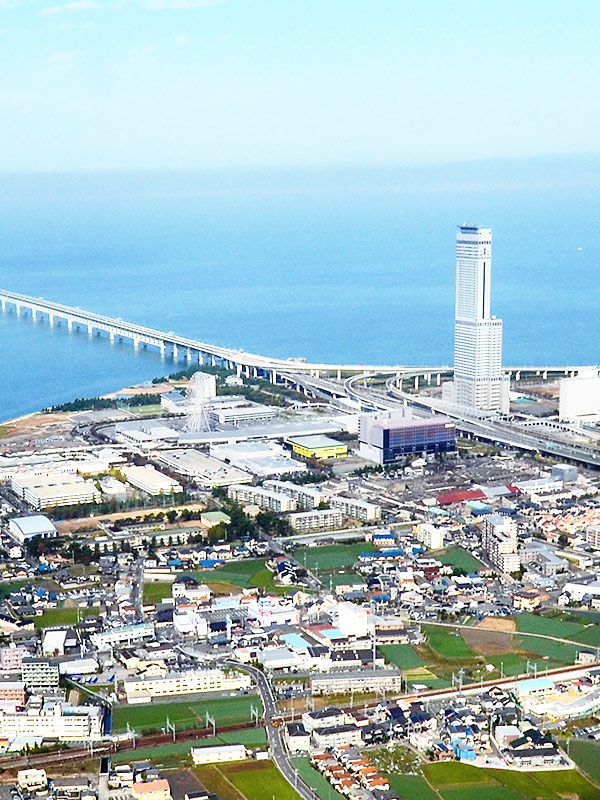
{"points": [[108, 748]]}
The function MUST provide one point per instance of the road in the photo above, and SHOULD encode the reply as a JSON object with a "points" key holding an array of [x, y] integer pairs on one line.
{"points": [[277, 747]]}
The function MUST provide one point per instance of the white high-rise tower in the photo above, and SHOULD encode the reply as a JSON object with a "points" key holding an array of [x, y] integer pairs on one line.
{"points": [[479, 381]]}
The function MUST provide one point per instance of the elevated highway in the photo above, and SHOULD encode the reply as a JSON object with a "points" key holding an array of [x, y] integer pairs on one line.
{"points": [[182, 347]]}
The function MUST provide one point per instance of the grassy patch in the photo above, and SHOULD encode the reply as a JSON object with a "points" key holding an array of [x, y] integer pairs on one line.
{"points": [[481, 793], [555, 651], [567, 783], [590, 636], [411, 787], [458, 557], [156, 592], [453, 773], [315, 780], [531, 623], [586, 754], [187, 714], [448, 643], [216, 782], [259, 780], [63, 616], [332, 556], [402, 655]]}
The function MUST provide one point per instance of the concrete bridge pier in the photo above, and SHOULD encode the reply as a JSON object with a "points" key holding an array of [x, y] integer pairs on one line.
{"points": [[162, 349], [69, 323], [175, 353], [34, 314], [111, 336], [213, 361], [50, 319], [273, 376], [90, 330], [545, 374], [3, 301], [238, 370], [339, 374], [416, 381], [18, 308], [438, 380]]}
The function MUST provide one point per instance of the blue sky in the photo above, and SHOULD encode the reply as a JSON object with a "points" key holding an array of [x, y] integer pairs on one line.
{"points": [[127, 84]]}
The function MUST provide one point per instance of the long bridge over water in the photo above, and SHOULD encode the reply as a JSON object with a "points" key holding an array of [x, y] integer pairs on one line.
{"points": [[181, 347], [195, 351]]}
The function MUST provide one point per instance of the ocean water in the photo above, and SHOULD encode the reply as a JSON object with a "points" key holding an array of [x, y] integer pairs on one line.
{"points": [[351, 266]]}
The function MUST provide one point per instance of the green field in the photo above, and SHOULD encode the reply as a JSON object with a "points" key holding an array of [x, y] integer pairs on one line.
{"points": [[481, 793], [590, 636], [554, 651], [456, 781], [332, 556], [586, 754], [156, 592], [186, 713], [63, 616], [402, 655], [258, 780], [411, 787], [458, 557], [239, 573], [315, 780], [448, 643], [452, 773], [531, 623]]}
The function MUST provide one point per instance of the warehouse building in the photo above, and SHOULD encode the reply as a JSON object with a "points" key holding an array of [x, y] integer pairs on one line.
{"points": [[204, 470], [219, 754], [23, 529], [150, 480], [54, 491], [318, 446]]}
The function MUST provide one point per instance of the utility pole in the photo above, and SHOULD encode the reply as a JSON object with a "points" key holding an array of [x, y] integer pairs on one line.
{"points": [[211, 720]]}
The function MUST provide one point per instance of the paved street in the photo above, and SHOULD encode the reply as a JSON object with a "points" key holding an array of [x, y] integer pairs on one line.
{"points": [[279, 753]]}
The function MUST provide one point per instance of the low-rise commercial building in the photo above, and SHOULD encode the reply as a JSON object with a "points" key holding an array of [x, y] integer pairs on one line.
{"points": [[141, 690], [357, 681], [126, 634], [317, 446], [51, 719]]}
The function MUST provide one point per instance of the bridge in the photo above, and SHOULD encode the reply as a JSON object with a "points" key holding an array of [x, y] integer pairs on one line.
{"points": [[191, 350]]}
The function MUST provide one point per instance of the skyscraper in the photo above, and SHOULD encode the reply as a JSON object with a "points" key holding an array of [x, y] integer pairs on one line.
{"points": [[479, 381]]}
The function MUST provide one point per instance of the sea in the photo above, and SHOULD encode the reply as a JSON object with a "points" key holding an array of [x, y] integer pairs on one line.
{"points": [[342, 265]]}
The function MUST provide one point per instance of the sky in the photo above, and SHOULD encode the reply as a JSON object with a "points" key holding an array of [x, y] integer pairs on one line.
{"points": [[91, 85]]}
